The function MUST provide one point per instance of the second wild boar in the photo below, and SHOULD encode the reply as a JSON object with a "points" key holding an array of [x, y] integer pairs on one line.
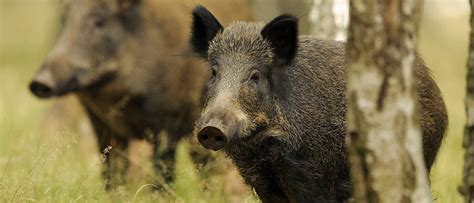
{"points": [[124, 59]]}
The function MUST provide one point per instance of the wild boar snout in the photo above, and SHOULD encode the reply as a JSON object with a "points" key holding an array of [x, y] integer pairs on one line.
{"points": [[56, 78], [217, 130], [212, 138], [43, 84]]}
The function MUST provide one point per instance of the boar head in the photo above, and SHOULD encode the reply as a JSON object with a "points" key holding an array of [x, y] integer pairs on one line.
{"points": [[245, 59], [86, 52]]}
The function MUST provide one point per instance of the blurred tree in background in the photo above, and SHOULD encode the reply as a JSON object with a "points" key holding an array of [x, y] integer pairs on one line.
{"points": [[266, 10], [467, 189], [324, 25]]}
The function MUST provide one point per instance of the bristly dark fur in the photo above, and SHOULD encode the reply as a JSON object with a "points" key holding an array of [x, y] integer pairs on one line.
{"points": [[204, 28]]}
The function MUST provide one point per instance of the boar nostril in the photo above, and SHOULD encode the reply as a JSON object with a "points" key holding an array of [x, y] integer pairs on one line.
{"points": [[212, 138], [41, 90]]}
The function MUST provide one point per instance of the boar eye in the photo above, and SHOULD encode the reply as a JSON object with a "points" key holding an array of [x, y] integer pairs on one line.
{"points": [[255, 76], [213, 71], [99, 23]]}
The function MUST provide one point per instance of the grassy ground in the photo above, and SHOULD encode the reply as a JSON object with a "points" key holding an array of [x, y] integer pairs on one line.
{"points": [[52, 167]]}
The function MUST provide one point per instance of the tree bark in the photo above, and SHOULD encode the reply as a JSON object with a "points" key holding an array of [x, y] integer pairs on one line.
{"points": [[301, 9], [324, 25], [384, 132], [468, 143], [266, 10]]}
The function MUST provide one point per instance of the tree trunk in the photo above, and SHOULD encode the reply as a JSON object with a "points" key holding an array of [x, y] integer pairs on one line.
{"points": [[266, 10], [468, 187], [299, 8], [324, 25], [383, 124]]}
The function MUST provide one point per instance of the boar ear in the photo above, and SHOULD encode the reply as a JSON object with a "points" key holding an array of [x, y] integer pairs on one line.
{"points": [[282, 33], [124, 5], [204, 28], [129, 14]]}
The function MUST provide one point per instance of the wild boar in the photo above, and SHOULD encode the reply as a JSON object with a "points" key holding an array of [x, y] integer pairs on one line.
{"points": [[276, 104], [125, 60]]}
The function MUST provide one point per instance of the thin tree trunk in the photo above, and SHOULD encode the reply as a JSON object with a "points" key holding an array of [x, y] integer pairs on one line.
{"points": [[468, 186], [383, 123], [324, 25], [299, 8], [266, 10]]}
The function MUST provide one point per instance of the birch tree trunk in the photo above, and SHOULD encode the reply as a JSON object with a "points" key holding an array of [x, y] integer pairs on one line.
{"points": [[383, 124], [299, 8], [468, 186], [266, 10], [324, 25]]}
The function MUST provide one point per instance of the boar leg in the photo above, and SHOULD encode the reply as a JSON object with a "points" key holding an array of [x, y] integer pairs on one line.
{"points": [[164, 149], [163, 158], [114, 153], [116, 162]]}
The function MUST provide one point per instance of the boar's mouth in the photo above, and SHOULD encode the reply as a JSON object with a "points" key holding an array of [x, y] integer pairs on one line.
{"points": [[86, 81], [81, 80], [215, 136], [257, 133], [101, 81]]}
